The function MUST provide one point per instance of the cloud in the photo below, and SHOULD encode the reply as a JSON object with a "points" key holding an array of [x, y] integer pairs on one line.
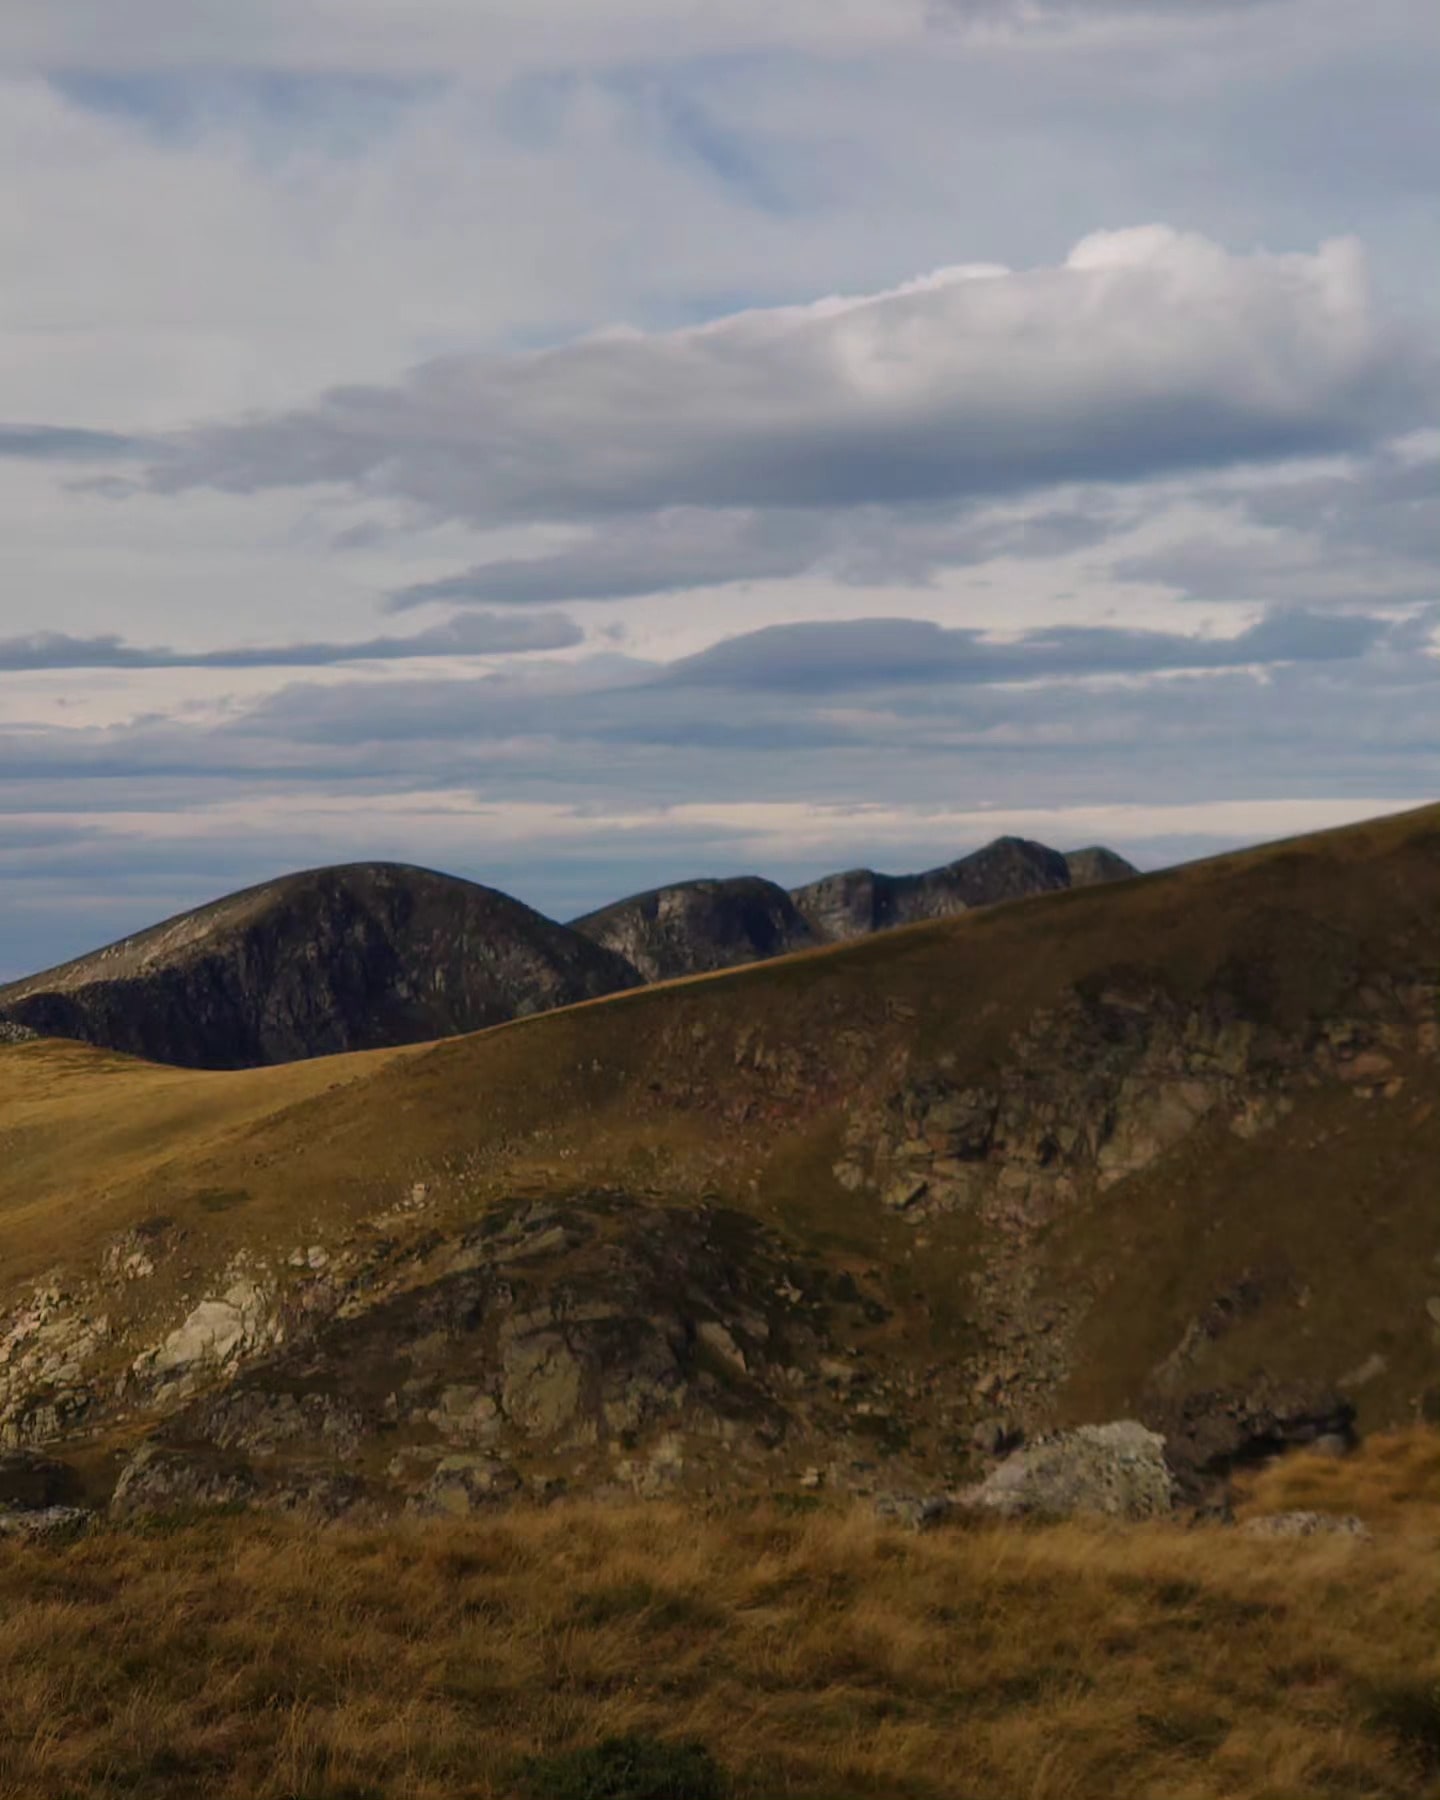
{"points": [[684, 548], [1362, 534], [66, 443], [439, 36], [1148, 350], [475, 635], [875, 653]]}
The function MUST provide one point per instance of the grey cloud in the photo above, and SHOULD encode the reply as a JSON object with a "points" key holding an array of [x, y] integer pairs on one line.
{"points": [[1147, 350], [1366, 535], [685, 548], [476, 635], [874, 653], [67, 443]]}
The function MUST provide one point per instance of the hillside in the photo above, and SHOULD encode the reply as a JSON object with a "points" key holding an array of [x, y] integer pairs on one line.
{"points": [[856, 1217]]}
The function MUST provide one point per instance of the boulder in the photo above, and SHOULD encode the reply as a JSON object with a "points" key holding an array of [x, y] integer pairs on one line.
{"points": [[1117, 1470], [44, 1522], [465, 1484], [916, 1512], [159, 1481]]}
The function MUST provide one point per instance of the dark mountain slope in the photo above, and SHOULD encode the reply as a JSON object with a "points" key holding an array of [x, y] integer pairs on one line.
{"points": [[696, 926], [349, 958]]}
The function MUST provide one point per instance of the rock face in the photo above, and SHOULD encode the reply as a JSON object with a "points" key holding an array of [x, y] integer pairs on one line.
{"points": [[1115, 1471], [696, 926], [840, 907], [349, 958], [616, 1343]]}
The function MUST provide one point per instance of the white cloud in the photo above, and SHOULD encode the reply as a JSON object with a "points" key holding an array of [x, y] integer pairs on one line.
{"points": [[1147, 350]]}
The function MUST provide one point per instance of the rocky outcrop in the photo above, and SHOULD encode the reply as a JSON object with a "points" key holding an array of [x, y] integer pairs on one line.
{"points": [[1209, 1435], [348, 958], [696, 926], [606, 1341], [1113, 1471], [841, 907]]}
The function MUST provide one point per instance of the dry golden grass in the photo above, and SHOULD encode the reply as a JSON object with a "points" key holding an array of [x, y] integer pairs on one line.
{"points": [[816, 1654]]}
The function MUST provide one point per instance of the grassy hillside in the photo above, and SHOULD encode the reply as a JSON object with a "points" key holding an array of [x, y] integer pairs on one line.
{"points": [[1288, 1225], [813, 1654]]}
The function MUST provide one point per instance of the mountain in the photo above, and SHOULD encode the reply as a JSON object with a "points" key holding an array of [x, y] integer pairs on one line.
{"points": [[695, 926], [853, 904], [859, 1220], [346, 958], [371, 954]]}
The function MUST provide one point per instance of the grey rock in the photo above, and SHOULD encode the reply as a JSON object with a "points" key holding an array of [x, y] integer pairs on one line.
{"points": [[44, 1522], [156, 1480], [1306, 1524], [1117, 1470], [916, 1512], [465, 1484]]}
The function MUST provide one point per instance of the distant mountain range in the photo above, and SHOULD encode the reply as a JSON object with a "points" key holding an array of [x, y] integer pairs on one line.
{"points": [[367, 955]]}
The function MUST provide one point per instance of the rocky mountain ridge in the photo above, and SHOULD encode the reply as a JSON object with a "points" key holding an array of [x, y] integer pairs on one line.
{"points": [[366, 955], [349, 958], [692, 927]]}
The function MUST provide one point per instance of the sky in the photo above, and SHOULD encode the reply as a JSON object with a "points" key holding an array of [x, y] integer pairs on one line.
{"points": [[584, 445]]}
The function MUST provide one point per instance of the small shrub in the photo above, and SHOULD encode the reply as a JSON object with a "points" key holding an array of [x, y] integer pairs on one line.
{"points": [[635, 1767]]}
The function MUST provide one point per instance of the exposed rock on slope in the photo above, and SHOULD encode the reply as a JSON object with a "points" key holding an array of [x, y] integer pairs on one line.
{"points": [[840, 907], [349, 958], [696, 926]]}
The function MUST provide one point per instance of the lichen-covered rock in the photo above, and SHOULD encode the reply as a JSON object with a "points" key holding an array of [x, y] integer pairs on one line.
{"points": [[465, 1484], [1117, 1470], [44, 1522], [156, 1480], [916, 1512], [217, 1332], [1306, 1524]]}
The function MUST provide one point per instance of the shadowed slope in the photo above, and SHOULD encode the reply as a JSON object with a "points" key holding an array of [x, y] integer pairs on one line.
{"points": [[361, 956]]}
